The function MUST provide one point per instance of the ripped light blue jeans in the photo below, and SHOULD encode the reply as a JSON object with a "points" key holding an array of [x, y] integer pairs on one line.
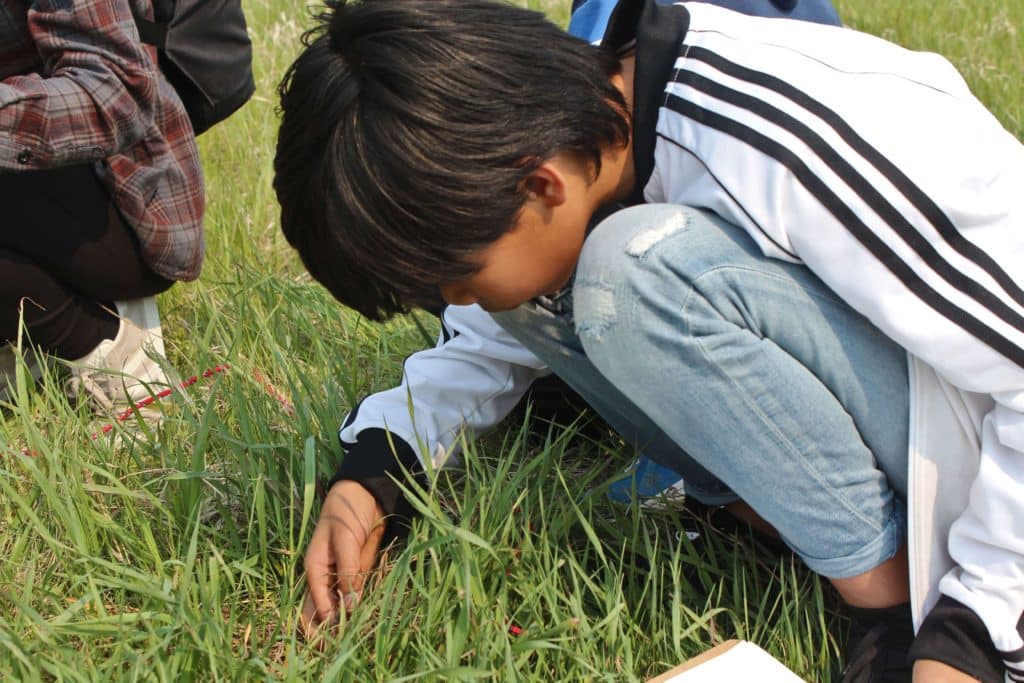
{"points": [[746, 375]]}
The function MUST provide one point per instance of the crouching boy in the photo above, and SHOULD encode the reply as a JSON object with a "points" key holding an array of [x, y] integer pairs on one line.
{"points": [[846, 297]]}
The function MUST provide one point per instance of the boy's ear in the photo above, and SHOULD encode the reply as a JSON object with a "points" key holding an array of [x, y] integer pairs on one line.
{"points": [[546, 184]]}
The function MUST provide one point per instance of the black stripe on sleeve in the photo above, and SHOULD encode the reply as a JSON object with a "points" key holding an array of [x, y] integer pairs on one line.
{"points": [[846, 216], [730, 194], [865, 190], [348, 422], [1020, 630], [1015, 659], [447, 332], [915, 195]]}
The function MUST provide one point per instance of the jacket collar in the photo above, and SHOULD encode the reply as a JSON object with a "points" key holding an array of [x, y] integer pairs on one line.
{"points": [[655, 31]]}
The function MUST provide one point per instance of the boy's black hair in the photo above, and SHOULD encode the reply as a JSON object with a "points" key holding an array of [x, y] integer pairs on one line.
{"points": [[408, 128]]}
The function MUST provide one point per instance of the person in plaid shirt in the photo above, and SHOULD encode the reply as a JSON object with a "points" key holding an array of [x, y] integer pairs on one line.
{"points": [[102, 191]]}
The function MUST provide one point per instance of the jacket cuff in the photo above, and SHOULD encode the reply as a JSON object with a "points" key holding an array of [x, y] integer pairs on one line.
{"points": [[376, 460], [955, 635]]}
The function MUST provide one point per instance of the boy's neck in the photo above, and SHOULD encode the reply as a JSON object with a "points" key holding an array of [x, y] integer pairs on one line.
{"points": [[618, 176]]}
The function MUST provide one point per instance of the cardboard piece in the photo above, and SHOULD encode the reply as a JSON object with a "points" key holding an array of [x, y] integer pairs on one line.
{"points": [[733, 660]]}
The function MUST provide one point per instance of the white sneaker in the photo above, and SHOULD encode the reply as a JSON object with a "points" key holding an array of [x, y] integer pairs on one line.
{"points": [[9, 366], [122, 371]]}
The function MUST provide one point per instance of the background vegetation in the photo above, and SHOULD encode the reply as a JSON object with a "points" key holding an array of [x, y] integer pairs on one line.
{"points": [[176, 555]]}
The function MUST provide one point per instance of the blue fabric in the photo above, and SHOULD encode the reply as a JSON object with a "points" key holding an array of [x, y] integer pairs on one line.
{"points": [[646, 478], [647, 481], [590, 17], [744, 374], [758, 372]]}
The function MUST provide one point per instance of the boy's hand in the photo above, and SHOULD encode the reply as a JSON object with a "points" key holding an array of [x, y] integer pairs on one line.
{"points": [[343, 548]]}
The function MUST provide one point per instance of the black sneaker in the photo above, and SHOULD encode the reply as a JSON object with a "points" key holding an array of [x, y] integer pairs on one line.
{"points": [[877, 647]]}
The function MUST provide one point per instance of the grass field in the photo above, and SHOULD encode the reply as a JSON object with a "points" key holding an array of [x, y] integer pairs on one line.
{"points": [[176, 556]]}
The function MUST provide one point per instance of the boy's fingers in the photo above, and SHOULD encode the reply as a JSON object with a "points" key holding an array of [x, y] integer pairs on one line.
{"points": [[368, 558], [308, 619], [348, 551], [319, 581]]}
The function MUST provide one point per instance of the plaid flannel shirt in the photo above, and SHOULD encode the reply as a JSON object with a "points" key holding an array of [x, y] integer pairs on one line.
{"points": [[77, 86]]}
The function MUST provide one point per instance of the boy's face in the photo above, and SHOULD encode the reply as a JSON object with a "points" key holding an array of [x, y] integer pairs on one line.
{"points": [[538, 255]]}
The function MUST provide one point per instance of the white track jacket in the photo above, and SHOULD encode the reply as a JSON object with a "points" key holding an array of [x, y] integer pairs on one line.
{"points": [[876, 168]]}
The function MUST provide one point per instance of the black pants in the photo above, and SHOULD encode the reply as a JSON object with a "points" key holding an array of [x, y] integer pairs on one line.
{"points": [[65, 256]]}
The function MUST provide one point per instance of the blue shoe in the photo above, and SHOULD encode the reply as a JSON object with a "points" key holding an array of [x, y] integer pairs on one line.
{"points": [[650, 484]]}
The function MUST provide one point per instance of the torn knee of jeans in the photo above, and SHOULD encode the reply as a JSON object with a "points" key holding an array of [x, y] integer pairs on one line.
{"points": [[668, 224], [594, 306]]}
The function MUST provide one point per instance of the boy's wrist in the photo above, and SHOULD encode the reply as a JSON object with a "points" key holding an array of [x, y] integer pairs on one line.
{"points": [[354, 495], [376, 461]]}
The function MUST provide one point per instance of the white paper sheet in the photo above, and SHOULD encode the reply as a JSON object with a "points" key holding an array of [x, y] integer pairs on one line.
{"points": [[742, 662]]}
